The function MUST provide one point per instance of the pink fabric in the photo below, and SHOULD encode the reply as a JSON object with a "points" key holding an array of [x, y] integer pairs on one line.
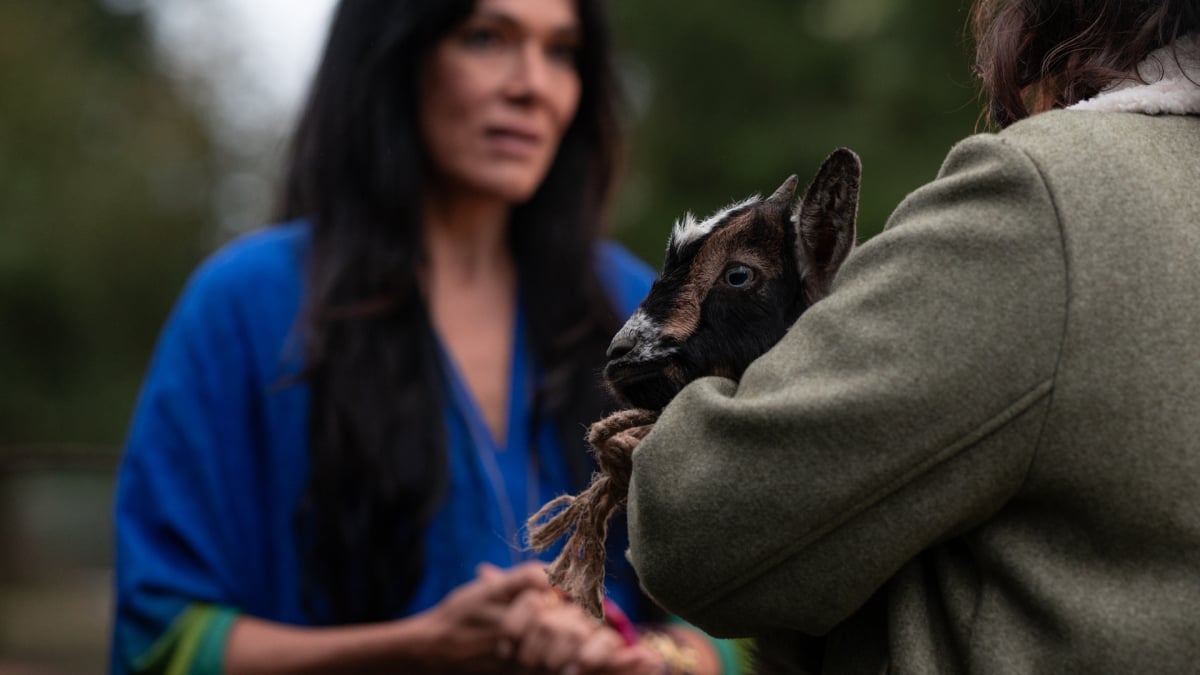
{"points": [[615, 618]]}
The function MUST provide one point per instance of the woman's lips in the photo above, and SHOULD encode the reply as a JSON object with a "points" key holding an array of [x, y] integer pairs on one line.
{"points": [[513, 141]]}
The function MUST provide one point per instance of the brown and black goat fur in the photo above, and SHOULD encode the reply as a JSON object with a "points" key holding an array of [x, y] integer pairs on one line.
{"points": [[734, 283], [730, 288]]}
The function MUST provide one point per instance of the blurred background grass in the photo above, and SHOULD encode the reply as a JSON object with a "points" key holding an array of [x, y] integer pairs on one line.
{"points": [[123, 164]]}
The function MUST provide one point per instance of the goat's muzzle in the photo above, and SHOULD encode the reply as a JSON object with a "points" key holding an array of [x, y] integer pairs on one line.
{"points": [[641, 384], [621, 345]]}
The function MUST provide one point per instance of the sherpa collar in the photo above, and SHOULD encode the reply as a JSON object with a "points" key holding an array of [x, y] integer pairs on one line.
{"points": [[1174, 84]]}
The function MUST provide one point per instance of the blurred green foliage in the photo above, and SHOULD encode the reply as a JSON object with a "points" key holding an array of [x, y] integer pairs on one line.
{"points": [[731, 98], [104, 180], [106, 174]]}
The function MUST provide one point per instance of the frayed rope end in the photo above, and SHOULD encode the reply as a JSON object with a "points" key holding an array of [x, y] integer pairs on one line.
{"points": [[579, 568]]}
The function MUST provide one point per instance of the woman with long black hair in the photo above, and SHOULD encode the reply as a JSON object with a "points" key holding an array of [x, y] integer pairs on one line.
{"points": [[350, 414]]}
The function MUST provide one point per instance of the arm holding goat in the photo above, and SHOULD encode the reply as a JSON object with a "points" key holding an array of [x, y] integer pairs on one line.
{"points": [[779, 493], [903, 409]]}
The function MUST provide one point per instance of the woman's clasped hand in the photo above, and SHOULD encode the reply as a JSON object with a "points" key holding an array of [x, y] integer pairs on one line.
{"points": [[512, 620]]}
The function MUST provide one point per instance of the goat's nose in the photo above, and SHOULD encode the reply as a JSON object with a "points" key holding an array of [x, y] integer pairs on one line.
{"points": [[621, 345]]}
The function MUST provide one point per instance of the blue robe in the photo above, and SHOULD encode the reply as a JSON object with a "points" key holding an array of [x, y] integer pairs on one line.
{"points": [[217, 460]]}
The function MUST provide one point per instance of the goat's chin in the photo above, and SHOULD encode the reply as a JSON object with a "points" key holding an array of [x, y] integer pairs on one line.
{"points": [[637, 386], [647, 395]]}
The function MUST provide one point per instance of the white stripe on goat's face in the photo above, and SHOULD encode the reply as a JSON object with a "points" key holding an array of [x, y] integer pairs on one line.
{"points": [[749, 237], [718, 290], [642, 332], [733, 284], [688, 229]]}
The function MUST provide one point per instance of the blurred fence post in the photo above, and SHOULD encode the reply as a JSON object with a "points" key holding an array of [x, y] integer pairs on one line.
{"points": [[8, 528], [20, 462], [55, 566]]}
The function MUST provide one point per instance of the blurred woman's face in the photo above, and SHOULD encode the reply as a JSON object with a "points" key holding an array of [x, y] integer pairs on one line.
{"points": [[497, 96]]}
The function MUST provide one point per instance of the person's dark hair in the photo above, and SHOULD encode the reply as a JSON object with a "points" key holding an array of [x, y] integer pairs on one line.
{"points": [[356, 173], [1034, 55]]}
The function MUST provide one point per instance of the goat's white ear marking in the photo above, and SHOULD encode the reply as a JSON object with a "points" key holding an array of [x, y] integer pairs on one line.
{"points": [[684, 224], [688, 230]]}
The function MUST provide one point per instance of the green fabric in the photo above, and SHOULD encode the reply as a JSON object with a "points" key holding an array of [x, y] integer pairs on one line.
{"points": [[194, 645], [979, 453], [743, 655], [210, 654], [733, 661]]}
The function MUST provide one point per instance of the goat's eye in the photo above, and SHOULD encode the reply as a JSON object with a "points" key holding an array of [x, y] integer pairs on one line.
{"points": [[738, 276]]}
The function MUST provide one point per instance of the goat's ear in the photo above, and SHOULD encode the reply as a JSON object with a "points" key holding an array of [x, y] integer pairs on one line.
{"points": [[825, 221], [786, 192]]}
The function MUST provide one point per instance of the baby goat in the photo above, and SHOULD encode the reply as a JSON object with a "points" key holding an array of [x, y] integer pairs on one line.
{"points": [[733, 284], [730, 288]]}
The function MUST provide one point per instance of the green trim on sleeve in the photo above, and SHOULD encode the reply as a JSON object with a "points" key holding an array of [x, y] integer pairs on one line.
{"points": [[210, 652], [734, 655], [742, 653], [193, 645], [731, 655]]}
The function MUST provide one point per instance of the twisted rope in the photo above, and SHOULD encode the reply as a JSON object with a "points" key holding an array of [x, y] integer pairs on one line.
{"points": [[579, 568]]}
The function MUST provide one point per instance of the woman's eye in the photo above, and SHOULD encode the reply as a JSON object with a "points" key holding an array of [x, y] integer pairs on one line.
{"points": [[738, 276], [563, 53], [481, 38]]}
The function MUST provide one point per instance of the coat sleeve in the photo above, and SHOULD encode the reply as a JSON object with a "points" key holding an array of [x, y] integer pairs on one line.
{"points": [[904, 408]]}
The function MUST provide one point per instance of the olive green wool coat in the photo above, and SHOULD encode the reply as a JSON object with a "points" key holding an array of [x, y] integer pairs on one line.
{"points": [[980, 453]]}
